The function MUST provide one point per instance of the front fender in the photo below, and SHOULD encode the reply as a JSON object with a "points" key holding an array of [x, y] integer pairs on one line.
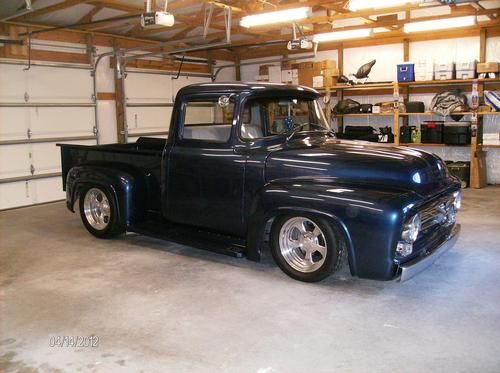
{"points": [[369, 218], [123, 186]]}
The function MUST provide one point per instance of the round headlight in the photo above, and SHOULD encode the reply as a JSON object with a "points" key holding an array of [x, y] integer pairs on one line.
{"points": [[411, 229]]}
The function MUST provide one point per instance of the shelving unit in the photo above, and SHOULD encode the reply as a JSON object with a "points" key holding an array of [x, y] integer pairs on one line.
{"points": [[404, 90]]}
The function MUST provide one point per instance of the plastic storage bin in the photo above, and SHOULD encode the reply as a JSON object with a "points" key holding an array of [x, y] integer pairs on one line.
{"points": [[456, 133], [406, 72], [462, 171], [444, 71], [432, 132], [424, 70]]}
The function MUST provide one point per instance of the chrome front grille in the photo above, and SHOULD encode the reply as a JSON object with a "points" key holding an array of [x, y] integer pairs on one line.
{"points": [[435, 212]]}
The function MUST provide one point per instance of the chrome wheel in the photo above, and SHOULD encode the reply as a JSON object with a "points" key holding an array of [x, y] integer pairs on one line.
{"points": [[97, 209], [302, 244]]}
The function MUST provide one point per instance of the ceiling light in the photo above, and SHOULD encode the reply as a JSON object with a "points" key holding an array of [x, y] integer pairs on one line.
{"points": [[279, 16], [342, 35], [355, 5], [440, 24]]}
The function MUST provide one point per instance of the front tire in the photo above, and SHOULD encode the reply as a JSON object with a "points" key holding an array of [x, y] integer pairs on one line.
{"points": [[305, 247], [99, 212]]}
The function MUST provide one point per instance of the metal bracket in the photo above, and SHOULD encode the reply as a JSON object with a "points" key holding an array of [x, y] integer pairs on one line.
{"points": [[95, 131], [26, 97], [227, 11], [93, 97], [28, 133], [29, 52], [32, 169]]}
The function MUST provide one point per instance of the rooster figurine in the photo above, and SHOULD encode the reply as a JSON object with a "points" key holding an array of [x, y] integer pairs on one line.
{"points": [[361, 75]]}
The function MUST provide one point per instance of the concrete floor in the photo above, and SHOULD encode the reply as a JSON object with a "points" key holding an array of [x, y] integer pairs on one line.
{"points": [[160, 307]]}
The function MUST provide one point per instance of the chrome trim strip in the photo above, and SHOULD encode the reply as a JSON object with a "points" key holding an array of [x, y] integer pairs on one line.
{"points": [[417, 265]]}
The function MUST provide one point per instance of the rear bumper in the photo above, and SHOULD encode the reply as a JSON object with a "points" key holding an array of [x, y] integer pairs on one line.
{"points": [[417, 265]]}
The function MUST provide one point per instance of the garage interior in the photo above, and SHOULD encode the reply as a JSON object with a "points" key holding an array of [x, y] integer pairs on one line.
{"points": [[91, 73]]}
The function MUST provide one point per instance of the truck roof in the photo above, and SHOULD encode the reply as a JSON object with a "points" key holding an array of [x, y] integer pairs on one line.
{"points": [[260, 87]]}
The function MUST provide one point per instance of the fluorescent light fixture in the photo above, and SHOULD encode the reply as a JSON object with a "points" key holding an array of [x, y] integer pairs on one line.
{"points": [[342, 35], [440, 24], [355, 5], [279, 16]]}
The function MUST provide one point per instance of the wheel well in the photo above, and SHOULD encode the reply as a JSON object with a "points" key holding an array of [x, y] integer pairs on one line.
{"points": [[335, 223]]}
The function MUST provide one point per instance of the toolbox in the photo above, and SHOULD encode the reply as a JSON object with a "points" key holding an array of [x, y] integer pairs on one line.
{"points": [[365, 108], [431, 132], [456, 133], [415, 107], [406, 72], [460, 170], [405, 133], [366, 133], [444, 71]]}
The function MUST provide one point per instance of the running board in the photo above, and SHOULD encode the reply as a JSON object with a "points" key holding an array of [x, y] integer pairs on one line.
{"points": [[217, 243]]}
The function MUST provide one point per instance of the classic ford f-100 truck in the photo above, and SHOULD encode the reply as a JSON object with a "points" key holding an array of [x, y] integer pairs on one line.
{"points": [[247, 163]]}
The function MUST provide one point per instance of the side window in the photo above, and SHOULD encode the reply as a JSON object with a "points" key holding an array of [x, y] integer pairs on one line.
{"points": [[252, 123], [208, 120]]}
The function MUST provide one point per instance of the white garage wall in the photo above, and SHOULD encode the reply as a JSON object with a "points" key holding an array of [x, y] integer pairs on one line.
{"points": [[388, 56]]}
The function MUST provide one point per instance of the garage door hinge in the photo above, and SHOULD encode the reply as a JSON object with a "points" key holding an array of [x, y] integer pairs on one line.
{"points": [[95, 131], [32, 169], [92, 97], [28, 133], [26, 97]]}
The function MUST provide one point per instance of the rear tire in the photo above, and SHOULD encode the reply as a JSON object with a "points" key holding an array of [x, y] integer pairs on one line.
{"points": [[99, 212], [305, 247]]}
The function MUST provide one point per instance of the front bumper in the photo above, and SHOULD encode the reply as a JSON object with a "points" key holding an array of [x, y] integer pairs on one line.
{"points": [[417, 265]]}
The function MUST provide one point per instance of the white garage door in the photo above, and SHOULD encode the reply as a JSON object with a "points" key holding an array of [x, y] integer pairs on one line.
{"points": [[149, 101], [40, 107]]}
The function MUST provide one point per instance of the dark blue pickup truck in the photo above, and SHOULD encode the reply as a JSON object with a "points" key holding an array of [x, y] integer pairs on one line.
{"points": [[246, 163]]}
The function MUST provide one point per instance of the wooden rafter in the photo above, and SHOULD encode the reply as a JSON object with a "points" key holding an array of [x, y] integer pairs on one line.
{"points": [[88, 17], [48, 9]]}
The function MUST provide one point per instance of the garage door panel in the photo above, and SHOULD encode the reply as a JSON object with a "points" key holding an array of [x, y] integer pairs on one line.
{"points": [[61, 121], [13, 82], [13, 123], [61, 85], [15, 160], [148, 88], [46, 157], [143, 119], [46, 190], [187, 80], [15, 194]]}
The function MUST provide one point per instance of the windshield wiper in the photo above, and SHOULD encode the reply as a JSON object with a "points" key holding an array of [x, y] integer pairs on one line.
{"points": [[299, 127]]}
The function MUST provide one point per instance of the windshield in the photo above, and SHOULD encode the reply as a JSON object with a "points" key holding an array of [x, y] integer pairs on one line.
{"points": [[281, 116]]}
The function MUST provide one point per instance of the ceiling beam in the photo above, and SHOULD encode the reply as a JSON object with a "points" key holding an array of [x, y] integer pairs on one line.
{"points": [[48, 9], [88, 17]]}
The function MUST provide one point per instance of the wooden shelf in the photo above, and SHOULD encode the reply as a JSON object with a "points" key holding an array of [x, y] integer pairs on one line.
{"points": [[430, 144], [489, 145], [428, 113], [364, 115], [447, 82]]}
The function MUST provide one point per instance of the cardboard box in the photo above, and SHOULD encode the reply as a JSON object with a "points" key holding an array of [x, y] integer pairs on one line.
{"points": [[329, 81], [330, 72], [306, 76], [264, 69], [286, 76], [318, 81], [287, 65], [262, 78], [275, 74], [329, 64], [306, 65], [487, 67]]}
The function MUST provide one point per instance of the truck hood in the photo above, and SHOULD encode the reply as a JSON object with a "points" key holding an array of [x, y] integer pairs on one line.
{"points": [[360, 163]]}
